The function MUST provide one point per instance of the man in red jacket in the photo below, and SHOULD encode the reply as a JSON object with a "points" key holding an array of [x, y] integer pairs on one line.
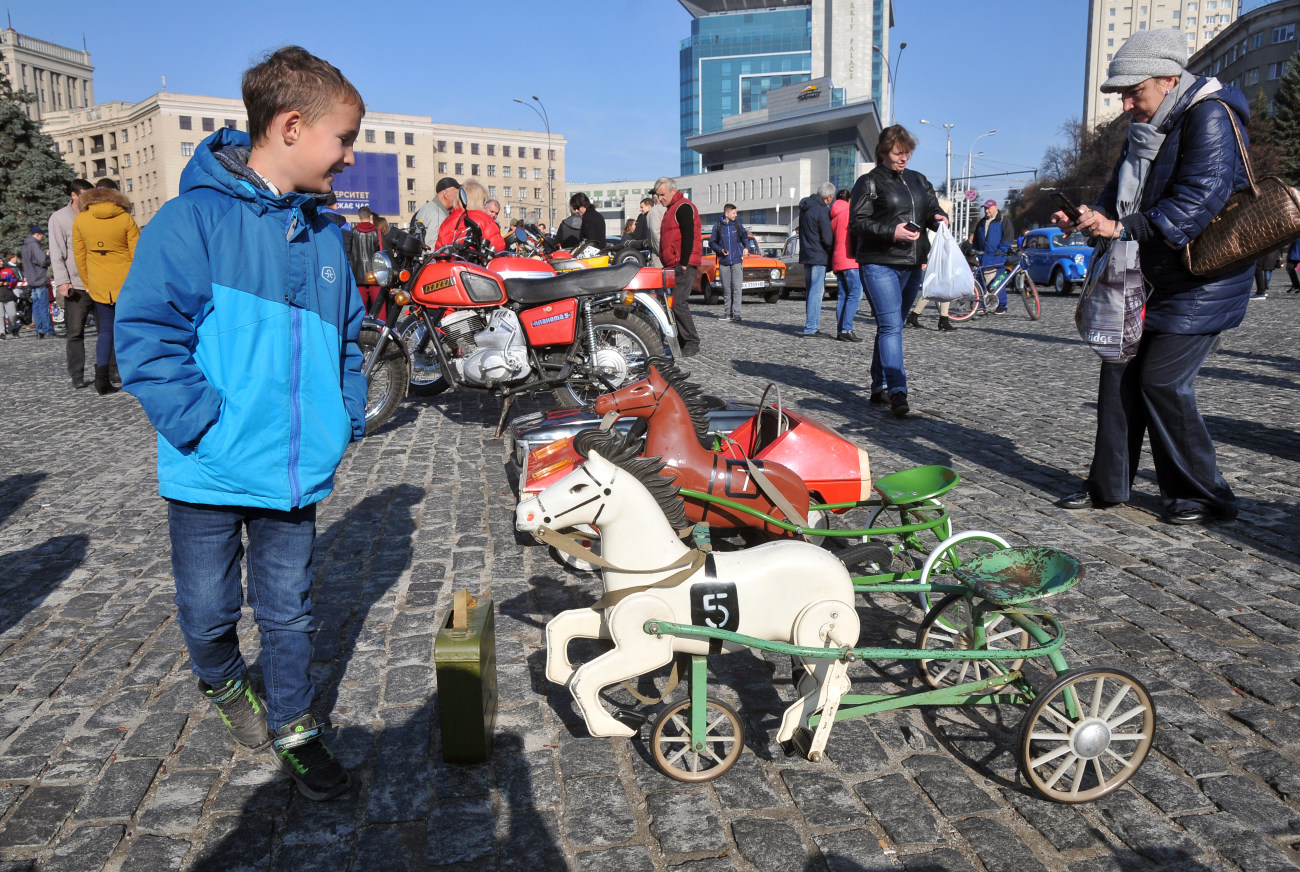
{"points": [[679, 249]]}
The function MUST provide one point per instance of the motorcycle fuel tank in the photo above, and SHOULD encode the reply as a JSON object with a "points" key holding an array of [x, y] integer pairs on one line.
{"points": [[458, 285]]}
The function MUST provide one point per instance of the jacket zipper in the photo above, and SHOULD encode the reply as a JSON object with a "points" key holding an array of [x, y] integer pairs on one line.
{"points": [[295, 380]]}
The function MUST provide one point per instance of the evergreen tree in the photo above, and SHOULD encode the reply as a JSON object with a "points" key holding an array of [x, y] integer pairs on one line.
{"points": [[33, 178], [1265, 158], [1286, 120]]}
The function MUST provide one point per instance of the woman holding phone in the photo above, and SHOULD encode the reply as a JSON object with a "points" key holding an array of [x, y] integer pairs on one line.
{"points": [[889, 210]]}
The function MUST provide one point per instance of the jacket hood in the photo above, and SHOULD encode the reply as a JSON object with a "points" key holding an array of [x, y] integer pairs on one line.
{"points": [[364, 226], [839, 207], [110, 202], [812, 201], [221, 163]]}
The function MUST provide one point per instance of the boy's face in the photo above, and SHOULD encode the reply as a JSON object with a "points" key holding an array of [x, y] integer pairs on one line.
{"points": [[324, 148], [730, 214]]}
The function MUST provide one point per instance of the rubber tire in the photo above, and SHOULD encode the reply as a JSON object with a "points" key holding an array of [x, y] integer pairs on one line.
{"points": [[629, 255], [963, 308], [981, 668], [1029, 294], [408, 329], [1059, 284], [634, 326], [391, 371], [736, 739], [712, 295], [771, 297]]}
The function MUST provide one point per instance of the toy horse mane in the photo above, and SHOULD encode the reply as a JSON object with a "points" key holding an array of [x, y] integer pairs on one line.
{"points": [[690, 393], [622, 451]]}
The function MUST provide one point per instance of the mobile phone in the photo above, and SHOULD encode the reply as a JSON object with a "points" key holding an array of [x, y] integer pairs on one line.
{"points": [[1065, 204], [913, 226]]}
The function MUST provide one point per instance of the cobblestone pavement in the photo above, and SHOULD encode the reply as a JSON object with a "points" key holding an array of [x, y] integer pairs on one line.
{"points": [[109, 760]]}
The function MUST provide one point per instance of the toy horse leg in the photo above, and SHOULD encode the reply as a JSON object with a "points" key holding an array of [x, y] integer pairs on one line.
{"points": [[824, 624], [635, 653], [560, 631]]}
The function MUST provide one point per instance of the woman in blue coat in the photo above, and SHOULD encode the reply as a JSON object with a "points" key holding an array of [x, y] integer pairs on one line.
{"points": [[1177, 170]]}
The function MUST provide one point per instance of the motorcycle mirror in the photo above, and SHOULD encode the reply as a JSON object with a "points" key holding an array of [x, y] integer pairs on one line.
{"points": [[521, 234], [462, 199]]}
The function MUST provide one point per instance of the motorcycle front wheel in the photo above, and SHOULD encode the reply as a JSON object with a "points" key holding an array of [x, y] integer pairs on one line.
{"points": [[386, 386], [623, 345], [427, 377]]}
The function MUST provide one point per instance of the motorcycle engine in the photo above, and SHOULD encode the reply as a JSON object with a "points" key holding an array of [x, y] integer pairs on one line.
{"points": [[492, 352]]}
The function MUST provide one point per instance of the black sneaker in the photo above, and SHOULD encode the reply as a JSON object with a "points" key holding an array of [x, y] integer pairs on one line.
{"points": [[243, 711], [898, 402], [303, 755]]}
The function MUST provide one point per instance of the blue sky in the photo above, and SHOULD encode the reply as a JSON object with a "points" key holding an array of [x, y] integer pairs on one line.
{"points": [[607, 70]]}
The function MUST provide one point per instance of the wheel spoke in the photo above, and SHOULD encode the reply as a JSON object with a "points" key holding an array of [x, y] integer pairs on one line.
{"points": [[1062, 769], [1101, 774], [1114, 703], [1097, 687], [1050, 756], [1124, 762], [1060, 718], [947, 669], [1127, 737], [1050, 737], [1079, 772], [1005, 634], [1127, 716]]}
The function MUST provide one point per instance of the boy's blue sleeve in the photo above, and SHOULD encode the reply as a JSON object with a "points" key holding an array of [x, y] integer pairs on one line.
{"points": [[354, 382], [154, 328]]}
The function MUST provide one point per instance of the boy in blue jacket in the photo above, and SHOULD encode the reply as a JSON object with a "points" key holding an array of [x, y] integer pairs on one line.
{"points": [[237, 331]]}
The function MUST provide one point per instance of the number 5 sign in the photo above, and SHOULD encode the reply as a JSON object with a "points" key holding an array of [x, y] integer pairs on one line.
{"points": [[713, 604]]}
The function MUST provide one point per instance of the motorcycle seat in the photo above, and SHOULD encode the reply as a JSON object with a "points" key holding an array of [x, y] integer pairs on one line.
{"points": [[579, 283]]}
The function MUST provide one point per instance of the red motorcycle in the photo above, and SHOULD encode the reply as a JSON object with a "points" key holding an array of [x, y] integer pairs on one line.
{"points": [[475, 319]]}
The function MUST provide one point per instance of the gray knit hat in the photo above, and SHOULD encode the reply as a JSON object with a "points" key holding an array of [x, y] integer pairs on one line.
{"points": [[1146, 55]]}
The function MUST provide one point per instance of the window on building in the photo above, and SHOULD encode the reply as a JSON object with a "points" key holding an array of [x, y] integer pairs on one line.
{"points": [[1252, 76], [1212, 4], [410, 184], [551, 174], [1110, 43], [523, 172], [1257, 40], [1142, 10], [232, 124], [442, 166], [127, 158], [460, 169], [130, 185], [1177, 13], [458, 147], [491, 150], [442, 145], [1284, 33], [473, 148], [550, 154], [505, 151], [390, 137], [209, 125], [537, 193], [126, 137], [537, 172], [505, 171], [1277, 70], [537, 154], [1191, 21], [370, 136], [1111, 12], [410, 205], [1142, 25], [1110, 28], [492, 169], [1108, 57], [408, 138], [187, 123], [1191, 7], [508, 189], [1105, 101], [410, 161], [473, 169]]}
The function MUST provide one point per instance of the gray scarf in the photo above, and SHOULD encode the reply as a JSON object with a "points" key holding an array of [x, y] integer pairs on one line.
{"points": [[1145, 139]]}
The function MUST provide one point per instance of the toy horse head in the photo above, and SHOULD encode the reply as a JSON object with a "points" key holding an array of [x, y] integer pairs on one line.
{"points": [[653, 395], [602, 492]]}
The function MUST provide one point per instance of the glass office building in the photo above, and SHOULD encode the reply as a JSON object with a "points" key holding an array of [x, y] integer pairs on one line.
{"points": [[731, 61]]}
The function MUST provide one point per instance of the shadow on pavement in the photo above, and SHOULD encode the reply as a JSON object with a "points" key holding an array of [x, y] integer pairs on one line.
{"points": [[31, 574]]}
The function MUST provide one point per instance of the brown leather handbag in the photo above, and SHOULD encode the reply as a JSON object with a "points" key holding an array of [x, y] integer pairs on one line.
{"points": [[1255, 220]]}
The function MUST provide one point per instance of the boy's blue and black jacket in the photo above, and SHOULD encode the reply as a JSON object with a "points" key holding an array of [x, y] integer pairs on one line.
{"points": [[237, 331]]}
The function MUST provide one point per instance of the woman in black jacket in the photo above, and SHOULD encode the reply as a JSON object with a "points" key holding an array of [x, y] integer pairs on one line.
{"points": [[1177, 170], [890, 254], [593, 225]]}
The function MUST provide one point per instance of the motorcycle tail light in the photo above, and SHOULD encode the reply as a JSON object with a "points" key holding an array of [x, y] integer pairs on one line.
{"points": [[401, 298], [404, 275], [547, 450], [629, 297], [670, 301], [547, 471]]}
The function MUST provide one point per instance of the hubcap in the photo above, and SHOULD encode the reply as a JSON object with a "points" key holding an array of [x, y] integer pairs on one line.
{"points": [[1090, 739], [611, 365]]}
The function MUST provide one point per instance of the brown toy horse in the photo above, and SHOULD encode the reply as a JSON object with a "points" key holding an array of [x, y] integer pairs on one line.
{"points": [[678, 437]]}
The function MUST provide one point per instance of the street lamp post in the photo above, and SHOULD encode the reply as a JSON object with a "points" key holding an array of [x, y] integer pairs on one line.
{"points": [[889, 72], [970, 168], [947, 178], [550, 173]]}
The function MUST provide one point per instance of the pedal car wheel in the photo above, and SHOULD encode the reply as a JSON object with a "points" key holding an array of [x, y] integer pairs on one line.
{"points": [[679, 756], [1087, 755], [951, 553], [950, 626]]}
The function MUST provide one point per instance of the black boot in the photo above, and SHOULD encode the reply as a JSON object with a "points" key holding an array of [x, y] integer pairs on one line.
{"points": [[102, 384], [913, 320], [945, 324]]}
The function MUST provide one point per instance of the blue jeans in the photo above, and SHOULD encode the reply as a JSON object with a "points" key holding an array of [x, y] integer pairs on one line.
{"points": [[814, 278], [207, 550], [41, 311], [104, 341], [892, 291], [846, 308]]}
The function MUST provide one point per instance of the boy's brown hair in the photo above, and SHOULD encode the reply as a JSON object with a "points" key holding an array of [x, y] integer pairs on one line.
{"points": [[293, 79]]}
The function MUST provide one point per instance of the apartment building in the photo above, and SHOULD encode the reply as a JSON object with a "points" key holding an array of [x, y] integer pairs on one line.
{"points": [[1254, 51], [523, 169], [1111, 22], [61, 78]]}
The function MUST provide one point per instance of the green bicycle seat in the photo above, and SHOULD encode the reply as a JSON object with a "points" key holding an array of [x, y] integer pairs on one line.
{"points": [[916, 484], [1017, 575]]}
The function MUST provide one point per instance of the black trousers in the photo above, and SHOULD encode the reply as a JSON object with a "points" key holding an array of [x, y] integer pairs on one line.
{"points": [[76, 306], [1154, 395], [684, 278]]}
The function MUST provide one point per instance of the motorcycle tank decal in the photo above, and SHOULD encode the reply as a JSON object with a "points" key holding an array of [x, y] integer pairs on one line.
{"points": [[552, 324], [442, 283]]}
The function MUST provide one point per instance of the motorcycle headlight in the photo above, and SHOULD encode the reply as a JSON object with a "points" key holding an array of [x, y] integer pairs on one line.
{"points": [[481, 289], [775, 274], [1078, 258], [380, 270]]}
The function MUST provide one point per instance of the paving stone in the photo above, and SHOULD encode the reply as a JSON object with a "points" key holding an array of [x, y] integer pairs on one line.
{"points": [[235, 842], [943, 860], [744, 787], [403, 778], [528, 779], [1060, 823], [178, 802], [623, 859], [1278, 727], [1272, 689], [461, 831], [854, 748], [82, 758], [119, 793], [529, 840], [1196, 760], [1172, 794], [769, 845], [948, 785], [208, 743], [854, 851], [581, 756], [596, 812], [999, 848], [155, 854], [1184, 713], [39, 815], [1252, 804], [408, 685], [1147, 834], [1278, 772], [155, 737], [684, 822], [85, 849], [898, 807], [715, 864], [823, 799], [1240, 845]]}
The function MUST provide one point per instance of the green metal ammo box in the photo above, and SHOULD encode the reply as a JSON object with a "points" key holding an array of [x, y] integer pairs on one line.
{"points": [[465, 660]]}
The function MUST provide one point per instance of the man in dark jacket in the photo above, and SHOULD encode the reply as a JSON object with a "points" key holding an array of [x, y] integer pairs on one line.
{"points": [[728, 244], [36, 262], [995, 237], [817, 243], [679, 249]]}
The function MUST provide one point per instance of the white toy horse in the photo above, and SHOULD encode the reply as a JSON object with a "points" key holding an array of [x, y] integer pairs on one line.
{"points": [[786, 591]]}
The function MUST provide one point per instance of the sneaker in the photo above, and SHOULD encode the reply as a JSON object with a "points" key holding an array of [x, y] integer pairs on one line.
{"points": [[303, 755], [848, 336], [735, 319], [243, 711], [690, 350], [999, 311], [898, 402], [1259, 297]]}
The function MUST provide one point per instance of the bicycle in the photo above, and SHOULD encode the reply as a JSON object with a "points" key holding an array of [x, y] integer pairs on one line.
{"points": [[984, 295]]}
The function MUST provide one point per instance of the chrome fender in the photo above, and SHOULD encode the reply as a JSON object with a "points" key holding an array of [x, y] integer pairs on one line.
{"points": [[661, 317]]}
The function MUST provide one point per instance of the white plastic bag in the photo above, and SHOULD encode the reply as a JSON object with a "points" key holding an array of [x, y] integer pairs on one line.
{"points": [[948, 276]]}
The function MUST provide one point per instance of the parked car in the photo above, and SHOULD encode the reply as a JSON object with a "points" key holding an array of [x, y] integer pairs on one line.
{"points": [[763, 276], [794, 270], [1053, 258]]}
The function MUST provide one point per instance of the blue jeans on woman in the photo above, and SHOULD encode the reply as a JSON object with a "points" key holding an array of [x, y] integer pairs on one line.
{"points": [[846, 307], [207, 550], [104, 341], [892, 290]]}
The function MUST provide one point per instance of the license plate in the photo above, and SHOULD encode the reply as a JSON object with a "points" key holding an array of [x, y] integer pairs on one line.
{"points": [[749, 286]]}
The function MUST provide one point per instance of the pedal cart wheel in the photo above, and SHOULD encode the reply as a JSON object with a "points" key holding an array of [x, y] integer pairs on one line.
{"points": [[951, 553], [951, 626], [1086, 734], [681, 756]]}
